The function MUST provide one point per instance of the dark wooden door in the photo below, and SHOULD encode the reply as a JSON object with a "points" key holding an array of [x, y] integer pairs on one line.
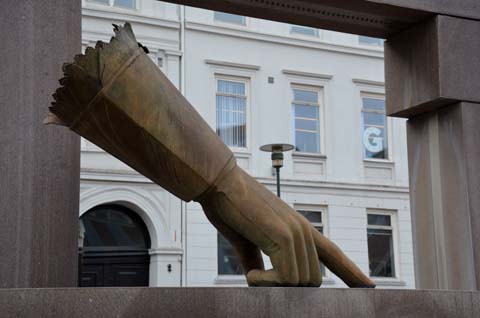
{"points": [[115, 248], [114, 270]]}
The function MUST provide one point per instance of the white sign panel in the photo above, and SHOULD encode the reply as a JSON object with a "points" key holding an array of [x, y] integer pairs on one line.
{"points": [[372, 140]]}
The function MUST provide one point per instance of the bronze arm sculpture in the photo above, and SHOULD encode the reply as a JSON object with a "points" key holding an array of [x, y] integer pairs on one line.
{"points": [[117, 98]]}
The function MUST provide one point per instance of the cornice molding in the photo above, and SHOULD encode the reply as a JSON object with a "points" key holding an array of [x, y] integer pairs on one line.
{"points": [[120, 176], [285, 40], [133, 16], [233, 65], [307, 74], [166, 250], [368, 82]]}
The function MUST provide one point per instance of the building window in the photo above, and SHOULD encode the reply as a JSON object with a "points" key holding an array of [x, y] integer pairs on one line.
{"points": [[229, 18], [381, 253], [367, 40], [306, 114], [130, 4], [316, 218], [297, 29], [375, 130], [228, 263], [231, 104]]}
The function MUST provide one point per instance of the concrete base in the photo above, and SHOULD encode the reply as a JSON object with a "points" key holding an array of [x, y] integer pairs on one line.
{"points": [[236, 302]]}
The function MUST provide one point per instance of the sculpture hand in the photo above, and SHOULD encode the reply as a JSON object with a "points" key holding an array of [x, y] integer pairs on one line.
{"points": [[117, 98], [249, 215]]}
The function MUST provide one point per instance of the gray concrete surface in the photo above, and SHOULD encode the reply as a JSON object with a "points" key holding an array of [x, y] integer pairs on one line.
{"points": [[444, 152], [236, 303], [431, 65], [39, 165]]}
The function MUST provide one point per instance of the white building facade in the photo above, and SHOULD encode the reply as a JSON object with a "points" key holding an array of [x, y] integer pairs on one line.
{"points": [[258, 82]]}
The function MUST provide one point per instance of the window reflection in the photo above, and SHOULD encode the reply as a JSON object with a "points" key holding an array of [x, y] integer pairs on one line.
{"points": [[375, 132], [306, 112], [114, 226], [228, 262], [380, 246]]}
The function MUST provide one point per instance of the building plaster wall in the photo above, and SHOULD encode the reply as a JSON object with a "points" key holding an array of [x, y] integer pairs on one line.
{"points": [[339, 180]]}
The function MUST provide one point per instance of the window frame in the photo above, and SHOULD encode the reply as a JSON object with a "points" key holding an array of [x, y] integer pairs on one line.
{"points": [[247, 82], [316, 34], [388, 128], [321, 114], [323, 210], [111, 4], [395, 237], [227, 23], [379, 44]]}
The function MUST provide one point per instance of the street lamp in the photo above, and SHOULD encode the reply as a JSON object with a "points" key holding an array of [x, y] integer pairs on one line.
{"points": [[277, 151]]}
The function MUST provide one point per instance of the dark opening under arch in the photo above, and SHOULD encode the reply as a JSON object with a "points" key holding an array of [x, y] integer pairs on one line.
{"points": [[114, 249]]}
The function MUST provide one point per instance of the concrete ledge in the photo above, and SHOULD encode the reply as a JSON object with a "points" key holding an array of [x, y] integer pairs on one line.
{"points": [[236, 302], [380, 18]]}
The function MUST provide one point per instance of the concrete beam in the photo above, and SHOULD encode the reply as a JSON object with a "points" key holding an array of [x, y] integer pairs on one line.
{"points": [[444, 151], [236, 303], [431, 65], [380, 18], [39, 165]]}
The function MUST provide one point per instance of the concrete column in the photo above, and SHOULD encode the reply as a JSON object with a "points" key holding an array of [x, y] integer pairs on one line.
{"points": [[39, 165], [444, 151], [433, 78]]}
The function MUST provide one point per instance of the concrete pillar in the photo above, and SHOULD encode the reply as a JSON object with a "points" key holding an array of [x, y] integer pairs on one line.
{"points": [[39, 165], [444, 152], [433, 78]]}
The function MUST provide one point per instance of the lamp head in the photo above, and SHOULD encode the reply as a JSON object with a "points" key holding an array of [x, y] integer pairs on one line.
{"points": [[277, 151], [277, 159]]}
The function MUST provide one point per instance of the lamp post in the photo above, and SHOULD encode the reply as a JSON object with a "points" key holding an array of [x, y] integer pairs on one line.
{"points": [[277, 151]]}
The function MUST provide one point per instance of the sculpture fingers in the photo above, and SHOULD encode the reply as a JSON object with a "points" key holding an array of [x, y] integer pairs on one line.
{"points": [[301, 252], [261, 278], [307, 258], [333, 258], [248, 253], [284, 272], [313, 260]]}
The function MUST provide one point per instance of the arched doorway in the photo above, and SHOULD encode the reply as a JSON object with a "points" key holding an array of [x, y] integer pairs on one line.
{"points": [[113, 251]]}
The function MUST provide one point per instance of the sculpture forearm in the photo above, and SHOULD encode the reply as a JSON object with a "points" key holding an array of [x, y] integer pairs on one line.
{"points": [[117, 98]]}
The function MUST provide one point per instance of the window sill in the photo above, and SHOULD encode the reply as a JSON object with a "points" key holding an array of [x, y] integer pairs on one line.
{"points": [[327, 281], [309, 165], [230, 280], [393, 282], [230, 25], [241, 280], [241, 152], [305, 36], [243, 158], [308, 155], [379, 161], [111, 8]]}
